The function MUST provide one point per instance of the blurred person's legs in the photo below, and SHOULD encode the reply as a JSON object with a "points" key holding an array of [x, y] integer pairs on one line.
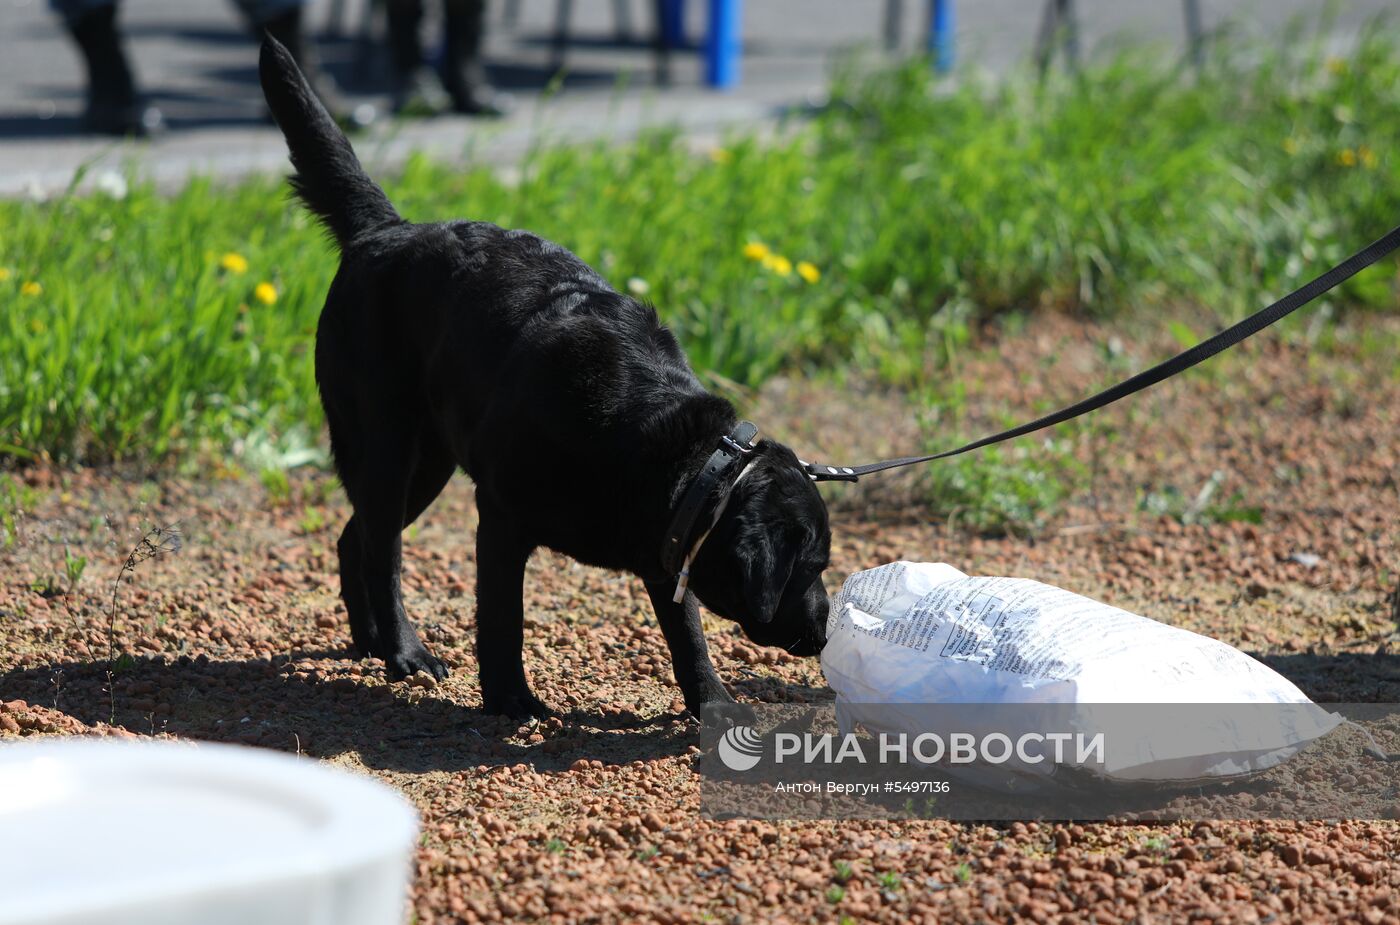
{"points": [[413, 88], [416, 90], [463, 74], [113, 105]]}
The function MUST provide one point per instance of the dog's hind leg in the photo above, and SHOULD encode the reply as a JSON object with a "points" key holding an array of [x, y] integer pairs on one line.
{"points": [[434, 467], [363, 631], [501, 554], [347, 451], [389, 488]]}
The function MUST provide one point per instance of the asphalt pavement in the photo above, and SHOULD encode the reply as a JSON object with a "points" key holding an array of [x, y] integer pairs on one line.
{"points": [[196, 61]]}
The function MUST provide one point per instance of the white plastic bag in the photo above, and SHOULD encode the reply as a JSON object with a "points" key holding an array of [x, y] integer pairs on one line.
{"points": [[910, 638]]}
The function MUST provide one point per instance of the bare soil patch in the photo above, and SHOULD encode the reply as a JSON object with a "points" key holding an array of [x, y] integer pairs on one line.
{"points": [[240, 637]]}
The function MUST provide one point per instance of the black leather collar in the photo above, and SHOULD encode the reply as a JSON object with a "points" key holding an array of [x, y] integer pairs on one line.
{"points": [[695, 512]]}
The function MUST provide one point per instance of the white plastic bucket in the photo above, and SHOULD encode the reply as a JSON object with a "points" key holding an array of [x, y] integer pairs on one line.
{"points": [[112, 833]]}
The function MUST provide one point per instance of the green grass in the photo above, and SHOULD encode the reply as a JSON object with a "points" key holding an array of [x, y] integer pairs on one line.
{"points": [[16, 498], [1201, 506], [1003, 489], [1130, 187]]}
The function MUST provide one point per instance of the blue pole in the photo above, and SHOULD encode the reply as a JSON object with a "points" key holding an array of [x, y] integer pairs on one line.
{"points": [[673, 23], [942, 23], [723, 44]]}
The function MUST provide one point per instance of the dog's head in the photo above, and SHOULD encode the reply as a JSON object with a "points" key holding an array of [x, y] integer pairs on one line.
{"points": [[762, 564]]}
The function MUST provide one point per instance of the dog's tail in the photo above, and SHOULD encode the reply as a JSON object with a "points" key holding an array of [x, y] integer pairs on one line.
{"points": [[329, 178]]}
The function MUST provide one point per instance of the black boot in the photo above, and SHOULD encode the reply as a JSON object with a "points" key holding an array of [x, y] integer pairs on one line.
{"points": [[463, 75], [112, 104], [286, 28], [414, 89]]}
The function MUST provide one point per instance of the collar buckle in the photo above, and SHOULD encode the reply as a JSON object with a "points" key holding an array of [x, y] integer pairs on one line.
{"points": [[742, 439], [743, 449]]}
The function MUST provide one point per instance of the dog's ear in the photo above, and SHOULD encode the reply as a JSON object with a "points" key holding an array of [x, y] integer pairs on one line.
{"points": [[767, 566]]}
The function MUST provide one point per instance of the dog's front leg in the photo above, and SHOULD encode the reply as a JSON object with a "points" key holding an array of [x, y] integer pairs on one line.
{"points": [[501, 554], [705, 694]]}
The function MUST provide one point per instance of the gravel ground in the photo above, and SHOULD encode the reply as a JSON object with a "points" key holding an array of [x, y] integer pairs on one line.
{"points": [[239, 636]]}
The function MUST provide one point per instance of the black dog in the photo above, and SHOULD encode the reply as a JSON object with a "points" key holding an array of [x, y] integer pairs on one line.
{"points": [[572, 409]]}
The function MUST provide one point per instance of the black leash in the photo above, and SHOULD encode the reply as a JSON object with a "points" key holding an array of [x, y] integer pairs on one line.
{"points": [[707, 495], [1203, 351]]}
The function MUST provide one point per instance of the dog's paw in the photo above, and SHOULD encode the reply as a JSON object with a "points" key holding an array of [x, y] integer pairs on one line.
{"points": [[518, 705], [405, 664], [722, 713]]}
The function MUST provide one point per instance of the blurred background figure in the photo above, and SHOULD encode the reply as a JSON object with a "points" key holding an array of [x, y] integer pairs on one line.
{"points": [[459, 81], [114, 104], [592, 69]]}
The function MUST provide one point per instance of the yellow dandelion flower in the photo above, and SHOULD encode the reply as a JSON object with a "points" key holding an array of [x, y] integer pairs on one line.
{"points": [[1336, 66], [1346, 157], [1367, 156], [808, 271], [266, 293], [781, 266], [756, 250], [234, 263], [4, 274], [1290, 146], [720, 156], [29, 287]]}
